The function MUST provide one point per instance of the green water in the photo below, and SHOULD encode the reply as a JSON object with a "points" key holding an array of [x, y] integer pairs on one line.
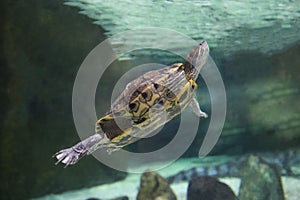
{"points": [[254, 44]]}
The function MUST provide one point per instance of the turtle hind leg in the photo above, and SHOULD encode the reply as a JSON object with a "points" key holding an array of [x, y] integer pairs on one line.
{"points": [[70, 156]]}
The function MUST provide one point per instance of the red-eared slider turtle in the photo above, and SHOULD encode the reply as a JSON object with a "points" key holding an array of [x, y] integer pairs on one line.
{"points": [[146, 104]]}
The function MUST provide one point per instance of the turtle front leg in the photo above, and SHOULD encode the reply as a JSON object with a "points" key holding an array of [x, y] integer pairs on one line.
{"points": [[196, 108], [71, 155]]}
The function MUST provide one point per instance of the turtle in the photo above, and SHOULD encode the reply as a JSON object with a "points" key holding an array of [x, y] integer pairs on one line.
{"points": [[146, 103]]}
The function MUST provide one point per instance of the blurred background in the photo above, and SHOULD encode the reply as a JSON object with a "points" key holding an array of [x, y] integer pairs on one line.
{"points": [[255, 44]]}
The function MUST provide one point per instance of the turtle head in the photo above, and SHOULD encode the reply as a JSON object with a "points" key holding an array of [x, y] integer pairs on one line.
{"points": [[196, 59]]}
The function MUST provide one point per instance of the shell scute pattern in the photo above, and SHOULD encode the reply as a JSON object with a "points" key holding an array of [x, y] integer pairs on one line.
{"points": [[167, 89], [153, 92]]}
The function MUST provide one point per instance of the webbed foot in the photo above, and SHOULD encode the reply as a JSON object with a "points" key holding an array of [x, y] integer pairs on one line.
{"points": [[71, 155]]}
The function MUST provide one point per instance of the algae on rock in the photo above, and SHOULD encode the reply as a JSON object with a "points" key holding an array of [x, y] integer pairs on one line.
{"points": [[153, 186]]}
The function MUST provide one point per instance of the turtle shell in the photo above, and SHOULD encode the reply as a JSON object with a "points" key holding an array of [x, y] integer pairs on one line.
{"points": [[146, 104]]}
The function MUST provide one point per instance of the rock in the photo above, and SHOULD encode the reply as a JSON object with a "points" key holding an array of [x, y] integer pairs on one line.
{"points": [[154, 187], [209, 188], [121, 198], [260, 181], [118, 198], [288, 163]]}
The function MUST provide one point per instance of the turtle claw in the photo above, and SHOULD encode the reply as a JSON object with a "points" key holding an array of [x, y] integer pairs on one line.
{"points": [[68, 156], [71, 155], [203, 114]]}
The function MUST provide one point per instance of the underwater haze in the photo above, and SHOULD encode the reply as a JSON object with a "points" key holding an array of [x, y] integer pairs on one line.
{"points": [[254, 48]]}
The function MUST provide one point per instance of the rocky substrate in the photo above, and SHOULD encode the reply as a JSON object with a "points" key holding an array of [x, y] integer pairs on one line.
{"points": [[258, 179]]}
